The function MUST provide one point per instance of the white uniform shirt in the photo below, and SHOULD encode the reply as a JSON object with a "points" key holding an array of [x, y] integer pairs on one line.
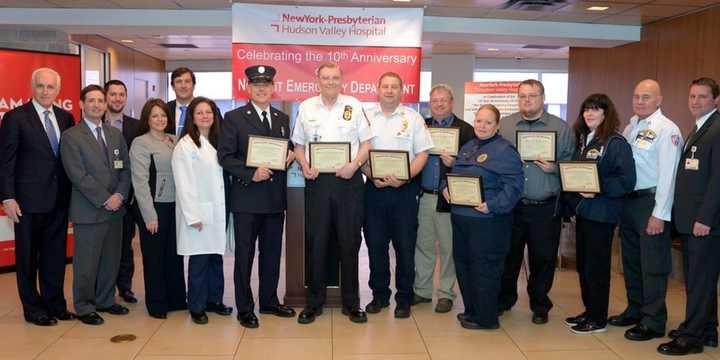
{"points": [[344, 122], [657, 146], [403, 130]]}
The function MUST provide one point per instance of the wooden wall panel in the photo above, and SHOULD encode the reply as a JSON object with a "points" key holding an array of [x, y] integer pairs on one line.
{"points": [[674, 52]]}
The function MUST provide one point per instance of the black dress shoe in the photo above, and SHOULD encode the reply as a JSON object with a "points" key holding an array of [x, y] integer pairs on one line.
{"points": [[280, 310], [471, 325], [42, 320], [708, 340], [417, 299], [444, 305], [641, 332], [128, 296], [308, 315], [65, 316], [576, 320], [92, 318], [248, 320], [588, 327], [679, 346], [115, 309], [402, 311], [159, 315], [540, 318], [375, 306], [219, 308], [623, 320], [462, 316], [356, 315], [199, 318]]}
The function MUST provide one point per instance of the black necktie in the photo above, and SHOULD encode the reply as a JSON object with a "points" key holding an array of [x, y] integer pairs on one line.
{"points": [[691, 135], [265, 121]]}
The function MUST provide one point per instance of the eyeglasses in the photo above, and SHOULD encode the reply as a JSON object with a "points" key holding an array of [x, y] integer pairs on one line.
{"points": [[440, 101], [528, 97]]}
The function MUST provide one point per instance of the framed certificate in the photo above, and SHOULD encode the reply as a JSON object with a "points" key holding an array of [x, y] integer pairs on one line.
{"points": [[579, 176], [536, 145], [327, 157], [385, 163], [267, 152], [445, 138], [465, 190]]}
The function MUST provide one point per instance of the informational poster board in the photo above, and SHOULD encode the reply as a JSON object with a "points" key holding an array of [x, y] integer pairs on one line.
{"points": [[502, 94]]}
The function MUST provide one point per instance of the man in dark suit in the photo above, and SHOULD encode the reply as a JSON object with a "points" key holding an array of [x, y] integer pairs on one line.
{"points": [[34, 191], [695, 211], [182, 81], [258, 196], [434, 211], [96, 161], [116, 93]]}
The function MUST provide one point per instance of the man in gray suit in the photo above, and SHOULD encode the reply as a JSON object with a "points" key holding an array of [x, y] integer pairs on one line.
{"points": [[95, 158]]}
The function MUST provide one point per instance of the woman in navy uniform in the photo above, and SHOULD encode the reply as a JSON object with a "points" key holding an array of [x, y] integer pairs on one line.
{"points": [[481, 235], [596, 215]]}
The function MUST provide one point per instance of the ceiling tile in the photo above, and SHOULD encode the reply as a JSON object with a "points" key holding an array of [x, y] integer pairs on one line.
{"points": [[515, 14], [659, 10], [581, 7]]}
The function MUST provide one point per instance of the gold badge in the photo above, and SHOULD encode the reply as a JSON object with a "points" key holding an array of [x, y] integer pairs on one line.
{"points": [[404, 126], [592, 154], [481, 158], [347, 113]]}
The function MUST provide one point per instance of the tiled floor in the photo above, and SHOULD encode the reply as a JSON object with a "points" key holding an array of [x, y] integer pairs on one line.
{"points": [[426, 335]]}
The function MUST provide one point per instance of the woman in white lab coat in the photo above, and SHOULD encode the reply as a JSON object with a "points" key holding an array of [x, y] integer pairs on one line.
{"points": [[200, 209]]}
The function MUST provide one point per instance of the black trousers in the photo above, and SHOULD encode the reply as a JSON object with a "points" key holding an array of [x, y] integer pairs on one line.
{"points": [[646, 263], [701, 267], [268, 230], [334, 206], [206, 281], [163, 268], [536, 227], [391, 215], [127, 261], [40, 249], [593, 244], [480, 246]]}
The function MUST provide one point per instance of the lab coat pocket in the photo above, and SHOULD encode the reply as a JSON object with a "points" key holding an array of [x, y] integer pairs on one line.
{"points": [[206, 213]]}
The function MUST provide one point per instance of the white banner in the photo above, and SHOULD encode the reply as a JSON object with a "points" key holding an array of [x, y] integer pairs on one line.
{"points": [[312, 25]]}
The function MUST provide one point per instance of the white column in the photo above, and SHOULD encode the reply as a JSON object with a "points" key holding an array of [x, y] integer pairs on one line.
{"points": [[454, 70]]}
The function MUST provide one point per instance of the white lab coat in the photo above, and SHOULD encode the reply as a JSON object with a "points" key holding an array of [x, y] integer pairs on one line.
{"points": [[200, 197]]}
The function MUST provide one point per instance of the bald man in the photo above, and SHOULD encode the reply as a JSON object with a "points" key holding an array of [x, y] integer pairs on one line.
{"points": [[645, 224]]}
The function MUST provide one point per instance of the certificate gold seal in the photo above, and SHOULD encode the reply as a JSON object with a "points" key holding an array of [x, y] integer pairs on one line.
{"points": [[481, 158], [347, 113]]}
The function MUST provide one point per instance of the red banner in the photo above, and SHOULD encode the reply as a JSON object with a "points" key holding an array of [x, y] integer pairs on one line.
{"points": [[16, 67], [296, 64]]}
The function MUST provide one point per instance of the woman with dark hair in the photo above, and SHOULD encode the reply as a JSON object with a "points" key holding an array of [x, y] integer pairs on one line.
{"points": [[481, 234], [200, 211], [152, 178], [596, 215]]}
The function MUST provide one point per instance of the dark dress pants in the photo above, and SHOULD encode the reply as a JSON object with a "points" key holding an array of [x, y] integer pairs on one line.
{"points": [[391, 216], [205, 281], [127, 259], [480, 246], [536, 227], [163, 268], [334, 208], [593, 245], [268, 230], [646, 263], [701, 267], [40, 248]]}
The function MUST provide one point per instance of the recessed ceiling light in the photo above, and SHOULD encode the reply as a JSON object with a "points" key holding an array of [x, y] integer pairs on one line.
{"points": [[598, 8], [127, 41], [493, 49], [402, 0]]}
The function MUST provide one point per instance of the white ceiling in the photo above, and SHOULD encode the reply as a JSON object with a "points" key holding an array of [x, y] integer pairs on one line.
{"points": [[215, 43]]}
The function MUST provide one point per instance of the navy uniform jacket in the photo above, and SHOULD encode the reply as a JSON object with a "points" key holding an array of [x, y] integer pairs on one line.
{"points": [[246, 196], [498, 163], [616, 168]]}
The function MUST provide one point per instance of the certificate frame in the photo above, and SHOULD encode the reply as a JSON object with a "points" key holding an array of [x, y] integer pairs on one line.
{"points": [[450, 131], [277, 163], [591, 170], [315, 146], [381, 173], [520, 134], [454, 179]]}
